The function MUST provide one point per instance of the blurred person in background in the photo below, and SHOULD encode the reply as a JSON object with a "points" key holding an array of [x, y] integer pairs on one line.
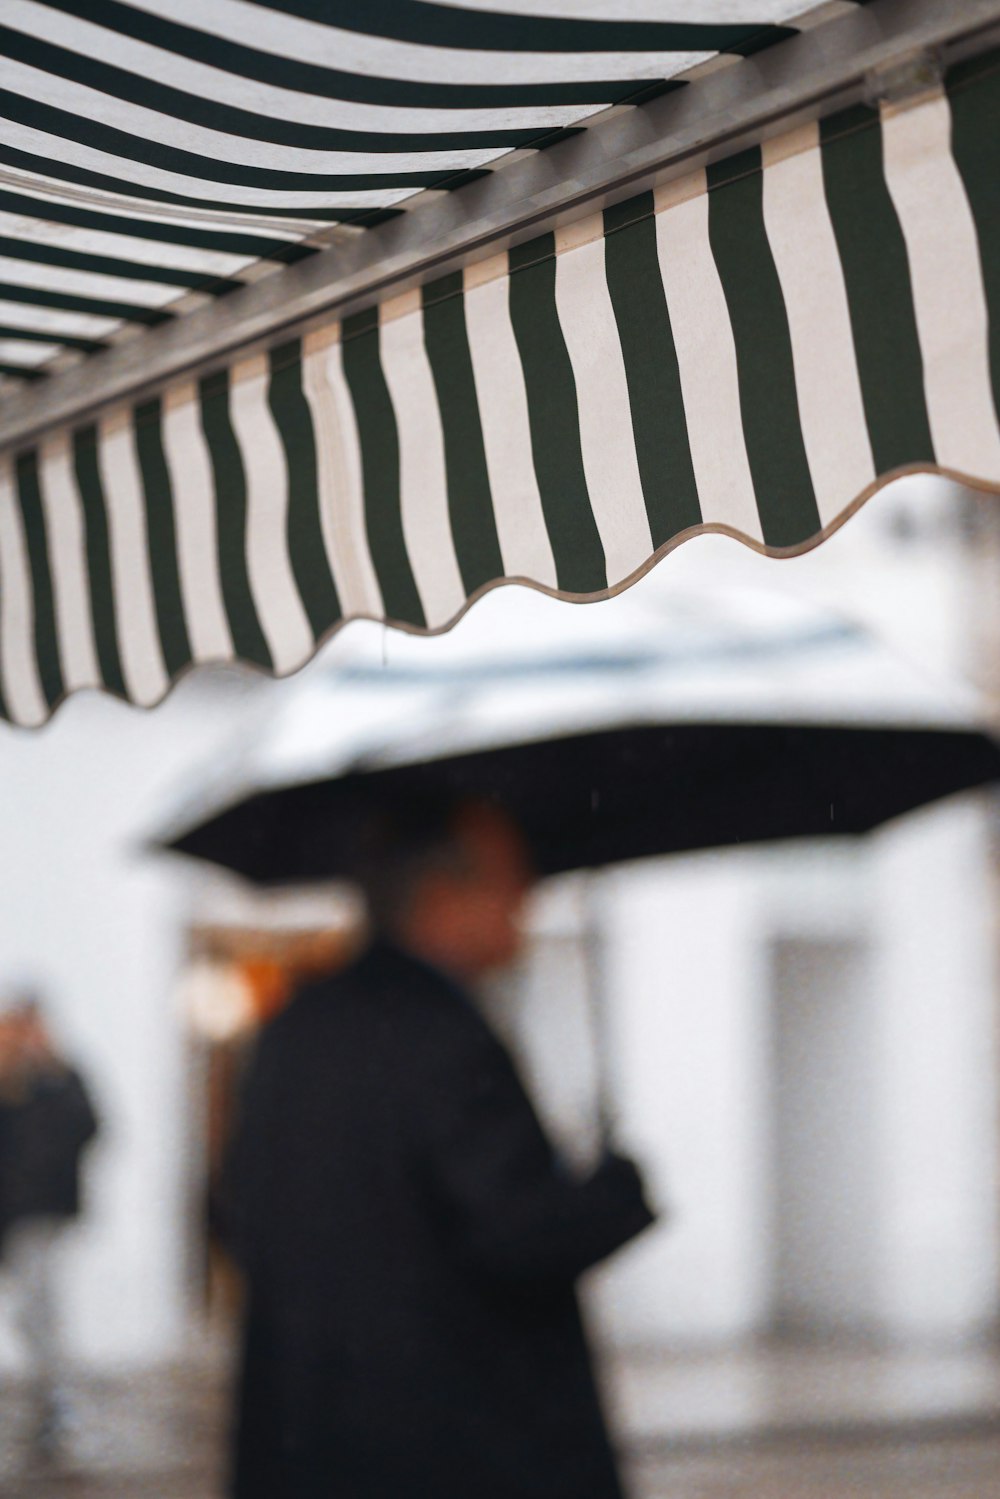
{"points": [[46, 1120], [409, 1238]]}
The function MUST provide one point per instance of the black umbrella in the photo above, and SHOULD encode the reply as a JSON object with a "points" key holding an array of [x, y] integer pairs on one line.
{"points": [[590, 799]]}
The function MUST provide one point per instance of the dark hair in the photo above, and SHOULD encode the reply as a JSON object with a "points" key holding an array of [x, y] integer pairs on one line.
{"points": [[399, 843], [24, 1004]]}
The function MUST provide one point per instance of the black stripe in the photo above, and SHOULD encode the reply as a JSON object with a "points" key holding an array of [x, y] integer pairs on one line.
{"points": [[306, 543], [231, 511], [150, 152], [37, 336], [767, 36], [210, 114], [4, 710], [108, 265], [879, 295], [102, 593], [786, 500], [161, 528], [379, 440], [470, 502], [234, 243], [975, 70], [46, 637], [974, 91], [371, 218], [18, 372], [447, 26], [65, 172], [68, 302], [328, 83], [654, 383], [554, 418]]}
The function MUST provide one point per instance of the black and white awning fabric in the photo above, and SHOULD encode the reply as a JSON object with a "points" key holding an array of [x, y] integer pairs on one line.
{"points": [[752, 348], [160, 152]]}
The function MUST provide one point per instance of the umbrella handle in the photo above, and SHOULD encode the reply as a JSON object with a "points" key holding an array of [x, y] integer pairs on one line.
{"points": [[596, 999]]}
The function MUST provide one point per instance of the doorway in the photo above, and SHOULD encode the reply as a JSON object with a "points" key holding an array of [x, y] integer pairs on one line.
{"points": [[825, 1198]]}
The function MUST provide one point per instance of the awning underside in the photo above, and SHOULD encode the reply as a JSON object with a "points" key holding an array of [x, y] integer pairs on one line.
{"points": [[161, 152]]}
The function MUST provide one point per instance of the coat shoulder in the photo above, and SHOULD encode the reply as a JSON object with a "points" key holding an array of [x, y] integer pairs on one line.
{"points": [[383, 1000]]}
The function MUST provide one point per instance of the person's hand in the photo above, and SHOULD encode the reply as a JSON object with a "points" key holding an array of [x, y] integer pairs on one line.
{"points": [[621, 1179]]}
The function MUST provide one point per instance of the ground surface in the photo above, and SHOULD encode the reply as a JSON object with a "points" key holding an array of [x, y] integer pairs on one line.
{"points": [[771, 1424], [965, 1467], [957, 1467]]}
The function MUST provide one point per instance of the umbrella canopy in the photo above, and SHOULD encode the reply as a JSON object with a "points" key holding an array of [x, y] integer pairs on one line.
{"points": [[749, 343], [758, 717], [629, 792]]}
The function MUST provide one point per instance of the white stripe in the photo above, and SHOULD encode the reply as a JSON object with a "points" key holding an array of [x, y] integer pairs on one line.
{"points": [[831, 409], [422, 475], [135, 610], [382, 57], [22, 688], [35, 277], [948, 295], [55, 321], [341, 482], [18, 351], [57, 148], [152, 251], [607, 440], [268, 100], [150, 124], [103, 200], [706, 356], [67, 538], [193, 489], [705, 12], [282, 616], [503, 413]]}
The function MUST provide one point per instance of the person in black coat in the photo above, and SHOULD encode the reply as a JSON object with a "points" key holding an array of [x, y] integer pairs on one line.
{"points": [[410, 1240], [46, 1121]]}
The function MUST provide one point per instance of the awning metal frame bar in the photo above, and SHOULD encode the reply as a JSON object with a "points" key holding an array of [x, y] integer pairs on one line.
{"points": [[730, 108]]}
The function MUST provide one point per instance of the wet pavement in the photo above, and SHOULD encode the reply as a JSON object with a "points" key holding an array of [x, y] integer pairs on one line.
{"points": [[779, 1391], [768, 1423], [812, 1422], [910, 1466], [962, 1467], [151, 1435]]}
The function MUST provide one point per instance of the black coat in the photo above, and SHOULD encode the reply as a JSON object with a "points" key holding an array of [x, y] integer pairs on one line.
{"points": [[411, 1246], [42, 1136]]}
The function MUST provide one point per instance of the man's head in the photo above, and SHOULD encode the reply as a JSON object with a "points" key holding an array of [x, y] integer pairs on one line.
{"points": [[24, 1037], [448, 883]]}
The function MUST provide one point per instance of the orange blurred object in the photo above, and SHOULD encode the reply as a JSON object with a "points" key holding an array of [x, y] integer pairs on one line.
{"points": [[270, 985], [273, 971]]}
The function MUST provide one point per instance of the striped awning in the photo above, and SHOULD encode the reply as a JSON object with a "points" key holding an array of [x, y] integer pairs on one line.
{"points": [[753, 348], [159, 152]]}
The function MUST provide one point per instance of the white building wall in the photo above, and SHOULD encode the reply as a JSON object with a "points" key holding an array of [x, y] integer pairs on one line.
{"points": [[936, 991], [826, 1198], [97, 926], [831, 1168], [685, 1035]]}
